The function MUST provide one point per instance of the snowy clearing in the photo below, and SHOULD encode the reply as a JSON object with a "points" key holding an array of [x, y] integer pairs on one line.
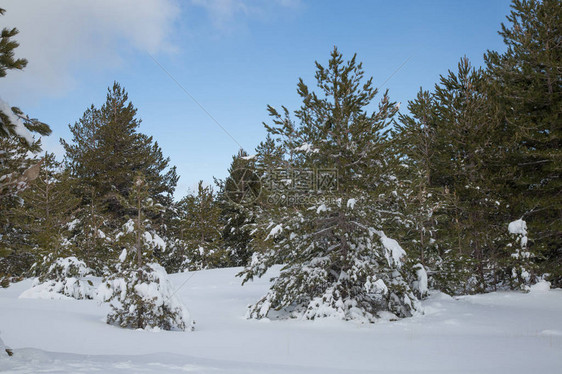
{"points": [[498, 332]]}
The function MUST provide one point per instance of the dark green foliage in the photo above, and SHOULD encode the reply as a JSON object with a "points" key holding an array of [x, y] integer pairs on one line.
{"points": [[238, 217], [454, 202], [484, 149], [465, 149], [15, 252], [107, 151], [414, 138], [526, 87], [7, 46], [200, 232], [48, 207], [89, 232], [17, 169]]}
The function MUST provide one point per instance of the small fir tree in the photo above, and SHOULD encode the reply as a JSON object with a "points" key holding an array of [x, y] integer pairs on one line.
{"points": [[142, 296]]}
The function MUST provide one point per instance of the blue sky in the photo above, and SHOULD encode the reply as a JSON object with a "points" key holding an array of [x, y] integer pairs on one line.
{"points": [[235, 57]]}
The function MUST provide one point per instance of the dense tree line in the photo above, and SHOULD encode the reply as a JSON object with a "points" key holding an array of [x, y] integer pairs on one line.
{"points": [[462, 191]]}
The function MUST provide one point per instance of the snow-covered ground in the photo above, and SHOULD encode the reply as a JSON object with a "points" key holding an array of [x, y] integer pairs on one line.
{"points": [[503, 332]]}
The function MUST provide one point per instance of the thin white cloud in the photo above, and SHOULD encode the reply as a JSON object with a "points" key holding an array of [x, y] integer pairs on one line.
{"points": [[63, 37], [225, 14]]}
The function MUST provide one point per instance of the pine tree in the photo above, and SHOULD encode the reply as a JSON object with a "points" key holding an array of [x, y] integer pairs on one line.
{"points": [[200, 232], [268, 155], [142, 296], [466, 165], [526, 88], [107, 151], [337, 260], [423, 201], [17, 170], [237, 217], [105, 156]]}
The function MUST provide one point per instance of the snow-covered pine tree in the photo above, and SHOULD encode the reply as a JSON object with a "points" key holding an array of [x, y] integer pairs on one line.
{"points": [[336, 266], [104, 156], [141, 295], [143, 298], [337, 260]]}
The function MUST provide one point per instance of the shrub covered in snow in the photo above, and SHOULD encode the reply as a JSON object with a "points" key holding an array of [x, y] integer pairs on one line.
{"points": [[64, 276], [335, 267], [144, 298]]}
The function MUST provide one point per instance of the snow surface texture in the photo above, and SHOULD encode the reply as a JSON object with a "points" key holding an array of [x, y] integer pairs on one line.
{"points": [[3, 351], [502, 332]]}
